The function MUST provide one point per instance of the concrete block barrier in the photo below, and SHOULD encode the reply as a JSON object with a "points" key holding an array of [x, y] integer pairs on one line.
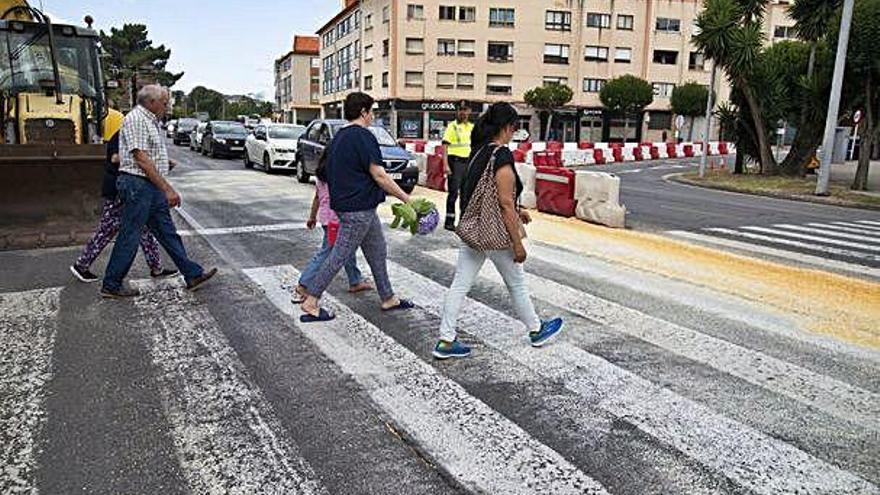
{"points": [[597, 195]]}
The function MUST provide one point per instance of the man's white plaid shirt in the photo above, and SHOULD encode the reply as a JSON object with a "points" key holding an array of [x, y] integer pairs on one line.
{"points": [[141, 130]]}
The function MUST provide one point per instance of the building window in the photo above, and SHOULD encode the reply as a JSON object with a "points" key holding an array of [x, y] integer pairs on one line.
{"points": [[593, 85], [557, 20], [499, 84], [623, 54], [625, 22], [368, 53], [784, 32], [467, 14], [598, 20], [667, 25], [696, 61], [415, 11], [446, 48], [549, 80], [663, 90], [368, 83], [384, 48], [660, 121], [464, 80], [384, 79], [500, 51], [385, 14], [466, 48], [414, 79], [415, 46], [368, 21], [555, 54], [446, 80], [596, 53], [447, 13], [501, 17], [665, 57]]}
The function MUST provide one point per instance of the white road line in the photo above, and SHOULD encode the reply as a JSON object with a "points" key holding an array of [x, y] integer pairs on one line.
{"points": [[859, 225], [802, 245], [481, 448], [806, 259], [631, 171], [225, 433], [835, 397], [244, 229], [749, 457], [823, 240], [827, 232], [869, 222], [28, 324], [842, 228]]}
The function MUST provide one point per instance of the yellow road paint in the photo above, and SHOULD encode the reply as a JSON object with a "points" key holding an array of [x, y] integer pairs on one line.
{"points": [[842, 307]]}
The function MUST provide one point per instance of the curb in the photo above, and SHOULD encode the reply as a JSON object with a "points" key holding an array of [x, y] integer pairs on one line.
{"points": [[679, 179]]}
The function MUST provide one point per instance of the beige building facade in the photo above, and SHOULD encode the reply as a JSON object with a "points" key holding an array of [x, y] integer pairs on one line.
{"points": [[297, 83], [419, 57]]}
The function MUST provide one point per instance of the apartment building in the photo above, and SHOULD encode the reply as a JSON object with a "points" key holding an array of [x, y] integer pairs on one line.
{"points": [[297, 82], [419, 57]]}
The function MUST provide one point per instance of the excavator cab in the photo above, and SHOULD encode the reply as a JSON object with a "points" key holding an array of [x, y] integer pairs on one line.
{"points": [[51, 121]]}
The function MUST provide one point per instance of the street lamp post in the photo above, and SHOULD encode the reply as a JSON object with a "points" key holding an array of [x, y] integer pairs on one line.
{"points": [[708, 124]]}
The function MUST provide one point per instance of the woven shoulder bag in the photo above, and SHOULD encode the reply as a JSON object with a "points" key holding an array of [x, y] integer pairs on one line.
{"points": [[482, 225]]}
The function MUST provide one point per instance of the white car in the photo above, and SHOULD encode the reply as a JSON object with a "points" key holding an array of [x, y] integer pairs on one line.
{"points": [[195, 139], [273, 147]]}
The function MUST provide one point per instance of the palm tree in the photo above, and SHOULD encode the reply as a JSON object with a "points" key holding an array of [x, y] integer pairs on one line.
{"points": [[732, 36], [812, 19]]}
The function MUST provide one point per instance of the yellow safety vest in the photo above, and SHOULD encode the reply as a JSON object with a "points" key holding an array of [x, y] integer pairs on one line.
{"points": [[459, 138]]}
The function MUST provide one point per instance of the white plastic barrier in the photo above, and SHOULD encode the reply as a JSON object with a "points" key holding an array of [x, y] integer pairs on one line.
{"points": [[598, 197], [646, 152], [627, 154], [576, 157], [432, 145], [661, 150], [679, 150], [713, 148], [569, 146], [422, 163], [539, 146], [698, 149], [411, 147], [528, 198], [731, 148]]}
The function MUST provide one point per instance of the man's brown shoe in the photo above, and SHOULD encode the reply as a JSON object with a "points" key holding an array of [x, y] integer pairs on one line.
{"points": [[197, 282]]}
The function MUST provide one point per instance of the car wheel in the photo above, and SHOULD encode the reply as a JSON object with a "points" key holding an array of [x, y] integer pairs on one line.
{"points": [[176, 143], [267, 163], [247, 160], [301, 174]]}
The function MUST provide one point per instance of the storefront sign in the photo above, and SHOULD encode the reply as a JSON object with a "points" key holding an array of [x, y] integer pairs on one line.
{"points": [[433, 106]]}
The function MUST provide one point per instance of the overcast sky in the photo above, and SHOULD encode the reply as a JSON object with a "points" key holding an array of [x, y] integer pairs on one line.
{"points": [[227, 45]]}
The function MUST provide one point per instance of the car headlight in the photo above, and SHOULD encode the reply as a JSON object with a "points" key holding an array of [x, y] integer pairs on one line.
{"points": [[220, 140]]}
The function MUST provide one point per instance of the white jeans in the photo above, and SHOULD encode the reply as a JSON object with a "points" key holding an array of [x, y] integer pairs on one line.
{"points": [[469, 264]]}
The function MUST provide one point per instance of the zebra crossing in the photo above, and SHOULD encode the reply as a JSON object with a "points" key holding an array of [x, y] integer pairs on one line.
{"points": [[852, 247], [626, 401]]}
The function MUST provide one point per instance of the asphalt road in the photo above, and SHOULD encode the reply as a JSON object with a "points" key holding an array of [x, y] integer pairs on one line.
{"points": [[656, 387]]}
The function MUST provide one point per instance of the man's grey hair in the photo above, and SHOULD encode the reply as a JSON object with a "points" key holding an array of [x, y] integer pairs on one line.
{"points": [[150, 92]]}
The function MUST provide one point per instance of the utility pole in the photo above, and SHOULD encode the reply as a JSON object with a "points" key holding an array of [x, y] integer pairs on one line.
{"points": [[834, 100], [707, 126]]}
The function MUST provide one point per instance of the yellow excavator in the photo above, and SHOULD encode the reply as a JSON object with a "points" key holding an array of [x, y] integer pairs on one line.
{"points": [[52, 108]]}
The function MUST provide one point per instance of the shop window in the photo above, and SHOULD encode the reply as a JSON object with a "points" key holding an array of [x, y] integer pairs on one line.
{"points": [[467, 14], [445, 47], [409, 125], [597, 20], [663, 90], [499, 84], [500, 51], [447, 13], [466, 48], [625, 22], [593, 85], [667, 25], [665, 57], [464, 80], [557, 20], [501, 18], [596, 53], [555, 54], [660, 121], [415, 46], [446, 80], [414, 79]]}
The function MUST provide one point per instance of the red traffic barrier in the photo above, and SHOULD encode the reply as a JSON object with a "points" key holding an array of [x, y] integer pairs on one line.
{"points": [[722, 148], [420, 146], [637, 153], [547, 158], [598, 156], [688, 150], [519, 156], [670, 150], [554, 146], [585, 145], [556, 158], [616, 145], [438, 150], [555, 190], [617, 153], [436, 173], [655, 153], [524, 146], [646, 143]]}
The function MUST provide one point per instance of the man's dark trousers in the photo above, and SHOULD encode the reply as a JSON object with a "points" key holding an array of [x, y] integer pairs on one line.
{"points": [[145, 204], [459, 166]]}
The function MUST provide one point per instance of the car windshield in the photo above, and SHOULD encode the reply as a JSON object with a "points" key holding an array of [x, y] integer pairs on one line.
{"points": [[236, 129], [382, 136], [187, 124], [26, 62], [285, 132]]}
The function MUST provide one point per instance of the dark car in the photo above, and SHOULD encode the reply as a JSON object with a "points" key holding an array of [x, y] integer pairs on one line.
{"points": [[224, 138], [399, 163], [182, 130]]}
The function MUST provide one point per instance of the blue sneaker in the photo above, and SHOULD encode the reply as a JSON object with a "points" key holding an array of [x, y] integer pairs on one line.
{"points": [[549, 329], [454, 349]]}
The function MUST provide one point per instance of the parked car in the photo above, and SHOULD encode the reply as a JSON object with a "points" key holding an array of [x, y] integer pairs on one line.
{"points": [[223, 137], [273, 147], [170, 127], [399, 163], [183, 129], [195, 137]]}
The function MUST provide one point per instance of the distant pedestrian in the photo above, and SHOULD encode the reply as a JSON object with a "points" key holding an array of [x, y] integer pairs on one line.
{"points": [[147, 197], [111, 213], [456, 150], [358, 182], [492, 227], [323, 214]]}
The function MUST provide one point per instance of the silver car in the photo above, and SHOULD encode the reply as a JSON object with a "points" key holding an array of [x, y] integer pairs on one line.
{"points": [[195, 138]]}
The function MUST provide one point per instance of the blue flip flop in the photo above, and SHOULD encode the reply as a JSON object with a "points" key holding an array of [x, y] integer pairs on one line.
{"points": [[323, 315], [403, 304]]}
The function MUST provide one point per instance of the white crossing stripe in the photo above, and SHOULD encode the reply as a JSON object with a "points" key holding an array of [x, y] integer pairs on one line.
{"points": [[481, 448], [244, 229], [802, 245], [226, 435], [806, 259], [869, 222], [824, 240], [827, 394], [749, 457], [28, 324], [859, 225], [828, 232], [842, 228]]}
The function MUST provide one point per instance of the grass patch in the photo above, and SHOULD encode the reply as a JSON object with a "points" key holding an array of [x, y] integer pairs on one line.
{"points": [[782, 187]]}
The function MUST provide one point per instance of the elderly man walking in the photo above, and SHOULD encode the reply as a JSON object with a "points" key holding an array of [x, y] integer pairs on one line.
{"points": [[147, 197]]}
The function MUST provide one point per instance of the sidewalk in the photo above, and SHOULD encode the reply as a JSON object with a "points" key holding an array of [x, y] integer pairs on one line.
{"points": [[844, 173]]}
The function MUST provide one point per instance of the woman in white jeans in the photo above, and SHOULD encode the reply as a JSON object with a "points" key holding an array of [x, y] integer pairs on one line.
{"points": [[492, 132]]}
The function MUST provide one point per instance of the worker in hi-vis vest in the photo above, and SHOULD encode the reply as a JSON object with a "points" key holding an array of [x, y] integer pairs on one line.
{"points": [[456, 151]]}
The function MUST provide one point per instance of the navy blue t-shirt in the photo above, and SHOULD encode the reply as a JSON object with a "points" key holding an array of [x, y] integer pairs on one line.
{"points": [[352, 188], [111, 170]]}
